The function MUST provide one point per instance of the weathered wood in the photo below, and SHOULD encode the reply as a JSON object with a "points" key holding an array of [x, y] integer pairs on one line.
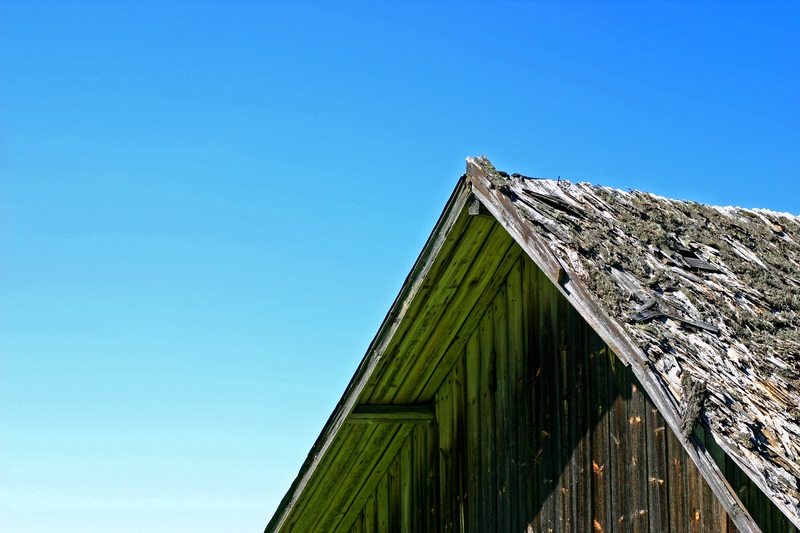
{"points": [[369, 518], [698, 513], [339, 497], [678, 483], [581, 392], [600, 436], [533, 377], [370, 468], [407, 484], [503, 210], [501, 421], [488, 504], [548, 400], [719, 518], [433, 479], [394, 494], [382, 504], [420, 469], [414, 295], [581, 464], [637, 456], [570, 415], [354, 440], [358, 526], [517, 424], [453, 342], [447, 495], [460, 432], [477, 209], [484, 275], [405, 354], [566, 415], [473, 435], [391, 413], [621, 502], [658, 501]]}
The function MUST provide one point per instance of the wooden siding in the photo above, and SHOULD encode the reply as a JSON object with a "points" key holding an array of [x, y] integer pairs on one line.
{"points": [[539, 427]]}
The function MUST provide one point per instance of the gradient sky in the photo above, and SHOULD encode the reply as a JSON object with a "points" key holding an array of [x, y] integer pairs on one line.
{"points": [[207, 208]]}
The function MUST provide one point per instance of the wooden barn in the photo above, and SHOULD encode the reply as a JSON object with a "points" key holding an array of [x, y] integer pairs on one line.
{"points": [[565, 357]]}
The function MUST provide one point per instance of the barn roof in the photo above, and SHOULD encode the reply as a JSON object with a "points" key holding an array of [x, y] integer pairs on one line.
{"points": [[708, 298], [701, 302]]}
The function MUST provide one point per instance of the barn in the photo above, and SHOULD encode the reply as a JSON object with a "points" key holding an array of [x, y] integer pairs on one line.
{"points": [[568, 357]]}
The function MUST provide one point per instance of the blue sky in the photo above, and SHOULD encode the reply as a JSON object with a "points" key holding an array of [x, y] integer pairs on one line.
{"points": [[207, 208]]}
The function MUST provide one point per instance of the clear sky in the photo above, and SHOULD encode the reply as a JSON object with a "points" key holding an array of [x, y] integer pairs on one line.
{"points": [[207, 208]]}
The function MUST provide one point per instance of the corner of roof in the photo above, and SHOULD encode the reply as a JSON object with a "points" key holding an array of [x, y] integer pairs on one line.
{"points": [[481, 166]]}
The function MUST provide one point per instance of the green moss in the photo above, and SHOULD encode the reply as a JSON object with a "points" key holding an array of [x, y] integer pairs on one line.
{"points": [[744, 440], [694, 397]]}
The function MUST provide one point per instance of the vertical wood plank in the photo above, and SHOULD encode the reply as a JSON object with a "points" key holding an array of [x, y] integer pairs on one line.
{"points": [[407, 483], [382, 505], [368, 514], [426, 468], [501, 410], [600, 437], [657, 495], [424, 502], [473, 422], [677, 484], [459, 449], [533, 377], [637, 455], [698, 501], [568, 416], [548, 407], [444, 416], [394, 495], [620, 462], [433, 476], [516, 400], [581, 464], [559, 410], [487, 418]]}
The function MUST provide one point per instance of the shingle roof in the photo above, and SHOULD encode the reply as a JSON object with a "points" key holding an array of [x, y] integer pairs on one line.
{"points": [[707, 300]]}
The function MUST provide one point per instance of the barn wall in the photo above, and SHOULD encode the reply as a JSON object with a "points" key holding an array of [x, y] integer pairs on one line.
{"points": [[539, 427]]}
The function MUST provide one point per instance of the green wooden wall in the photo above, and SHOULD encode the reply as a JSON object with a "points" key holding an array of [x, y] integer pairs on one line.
{"points": [[539, 427]]}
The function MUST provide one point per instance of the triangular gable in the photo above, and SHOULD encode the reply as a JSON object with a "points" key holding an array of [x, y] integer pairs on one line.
{"points": [[544, 218]]}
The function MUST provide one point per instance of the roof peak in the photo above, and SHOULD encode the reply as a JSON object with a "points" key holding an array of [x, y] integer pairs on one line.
{"points": [[501, 177]]}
